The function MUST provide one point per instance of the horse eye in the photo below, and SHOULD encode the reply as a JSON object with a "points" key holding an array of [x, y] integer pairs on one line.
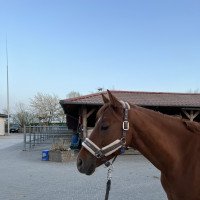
{"points": [[104, 127]]}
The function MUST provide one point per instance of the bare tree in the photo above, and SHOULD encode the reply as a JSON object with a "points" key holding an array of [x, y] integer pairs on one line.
{"points": [[22, 116], [46, 108], [194, 91], [73, 94], [61, 117]]}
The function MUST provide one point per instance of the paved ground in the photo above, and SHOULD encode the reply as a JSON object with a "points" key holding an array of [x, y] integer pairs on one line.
{"points": [[7, 141], [23, 176]]}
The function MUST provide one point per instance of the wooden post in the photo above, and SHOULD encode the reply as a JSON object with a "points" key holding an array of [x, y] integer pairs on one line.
{"points": [[84, 117]]}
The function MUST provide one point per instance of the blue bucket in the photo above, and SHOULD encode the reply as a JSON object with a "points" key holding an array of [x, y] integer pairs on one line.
{"points": [[45, 155]]}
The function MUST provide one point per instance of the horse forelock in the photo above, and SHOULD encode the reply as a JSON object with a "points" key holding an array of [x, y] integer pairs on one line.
{"points": [[102, 110], [108, 105], [117, 112]]}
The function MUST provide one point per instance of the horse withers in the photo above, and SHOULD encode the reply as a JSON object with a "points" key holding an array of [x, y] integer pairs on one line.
{"points": [[171, 144]]}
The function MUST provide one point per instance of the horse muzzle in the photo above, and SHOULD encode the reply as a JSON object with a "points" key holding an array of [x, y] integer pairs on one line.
{"points": [[86, 166]]}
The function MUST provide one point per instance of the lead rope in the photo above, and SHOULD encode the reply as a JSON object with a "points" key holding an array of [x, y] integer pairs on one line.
{"points": [[109, 176], [108, 184]]}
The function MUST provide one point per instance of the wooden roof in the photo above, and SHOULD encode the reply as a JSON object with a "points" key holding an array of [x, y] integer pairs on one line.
{"points": [[141, 98]]}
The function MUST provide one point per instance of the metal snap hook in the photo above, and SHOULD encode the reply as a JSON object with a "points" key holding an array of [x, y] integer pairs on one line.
{"points": [[123, 140]]}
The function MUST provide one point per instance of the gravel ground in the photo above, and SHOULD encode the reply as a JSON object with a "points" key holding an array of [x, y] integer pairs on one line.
{"points": [[23, 176]]}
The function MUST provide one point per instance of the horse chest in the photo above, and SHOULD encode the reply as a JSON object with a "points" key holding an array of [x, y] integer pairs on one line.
{"points": [[183, 184]]}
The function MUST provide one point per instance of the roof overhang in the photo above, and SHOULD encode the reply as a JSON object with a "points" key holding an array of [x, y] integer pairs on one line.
{"points": [[145, 99]]}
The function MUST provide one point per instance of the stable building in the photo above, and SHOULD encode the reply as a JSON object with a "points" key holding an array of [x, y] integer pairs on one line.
{"points": [[2, 123], [81, 111]]}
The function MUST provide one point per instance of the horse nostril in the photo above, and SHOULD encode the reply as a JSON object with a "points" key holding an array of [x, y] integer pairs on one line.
{"points": [[79, 162]]}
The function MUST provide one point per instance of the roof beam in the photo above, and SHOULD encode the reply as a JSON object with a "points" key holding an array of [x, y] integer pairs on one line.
{"points": [[192, 114], [90, 112]]}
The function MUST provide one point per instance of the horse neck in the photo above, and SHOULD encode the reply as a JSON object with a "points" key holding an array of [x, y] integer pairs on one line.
{"points": [[153, 136]]}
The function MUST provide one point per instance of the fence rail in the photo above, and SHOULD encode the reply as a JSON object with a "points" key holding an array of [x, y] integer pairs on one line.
{"points": [[34, 135]]}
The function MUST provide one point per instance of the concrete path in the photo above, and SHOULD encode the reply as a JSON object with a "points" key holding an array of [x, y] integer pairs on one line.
{"points": [[10, 140], [23, 176]]}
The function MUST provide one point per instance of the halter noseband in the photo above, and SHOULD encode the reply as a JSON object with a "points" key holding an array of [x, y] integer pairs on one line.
{"points": [[114, 146]]}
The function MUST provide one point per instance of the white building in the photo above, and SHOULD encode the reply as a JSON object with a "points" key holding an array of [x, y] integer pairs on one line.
{"points": [[2, 123]]}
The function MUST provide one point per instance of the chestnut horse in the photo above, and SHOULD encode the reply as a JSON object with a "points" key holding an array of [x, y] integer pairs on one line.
{"points": [[171, 144]]}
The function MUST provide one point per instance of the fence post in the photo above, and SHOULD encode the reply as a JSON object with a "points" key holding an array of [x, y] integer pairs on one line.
{"points": [[33, 128], [29, 137], [24, 138]]}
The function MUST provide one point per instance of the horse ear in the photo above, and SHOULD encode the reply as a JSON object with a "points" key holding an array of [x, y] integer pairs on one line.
{"points": [[113, 100], [105, 99]]}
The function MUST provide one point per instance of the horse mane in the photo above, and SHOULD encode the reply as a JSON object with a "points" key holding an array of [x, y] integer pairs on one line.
{"points": [[192, 126]]}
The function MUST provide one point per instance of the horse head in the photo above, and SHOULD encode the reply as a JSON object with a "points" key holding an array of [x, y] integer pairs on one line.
{"points": [[107, 137]]}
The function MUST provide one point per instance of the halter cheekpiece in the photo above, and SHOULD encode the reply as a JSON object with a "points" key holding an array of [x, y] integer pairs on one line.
{"points": [[114, 146]]}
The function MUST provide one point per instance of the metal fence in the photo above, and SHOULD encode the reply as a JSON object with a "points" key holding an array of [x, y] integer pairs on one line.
{"points": [[34, 135]]}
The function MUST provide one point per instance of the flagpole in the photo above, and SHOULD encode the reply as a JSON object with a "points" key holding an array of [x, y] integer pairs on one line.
{"points": [[8, 99]]}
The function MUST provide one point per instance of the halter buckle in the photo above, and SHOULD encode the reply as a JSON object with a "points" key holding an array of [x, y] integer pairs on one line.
{"points": [[125, 125], [99, 154]]}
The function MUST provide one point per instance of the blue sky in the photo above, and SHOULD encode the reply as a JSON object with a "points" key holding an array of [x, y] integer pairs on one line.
{"points": [[58, 46]]}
